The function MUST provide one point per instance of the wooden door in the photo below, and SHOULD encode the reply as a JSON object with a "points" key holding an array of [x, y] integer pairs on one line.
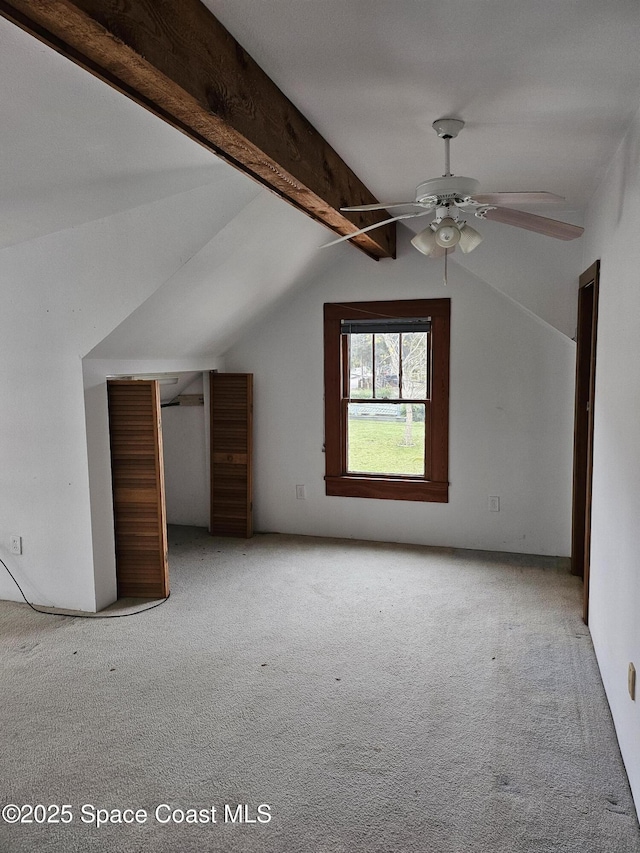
{"points": [[231, 454], [583, 427], [137, 471]]}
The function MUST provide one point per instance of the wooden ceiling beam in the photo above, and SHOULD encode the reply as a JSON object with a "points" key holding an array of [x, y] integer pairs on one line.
{"points": [[177, 60]]}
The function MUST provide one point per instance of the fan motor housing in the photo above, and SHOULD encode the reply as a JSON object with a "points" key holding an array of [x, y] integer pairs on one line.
{"points": [[446, 189]]}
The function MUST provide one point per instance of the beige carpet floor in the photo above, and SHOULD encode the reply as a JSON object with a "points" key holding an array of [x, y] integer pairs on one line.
{"points": [[348, 696]]}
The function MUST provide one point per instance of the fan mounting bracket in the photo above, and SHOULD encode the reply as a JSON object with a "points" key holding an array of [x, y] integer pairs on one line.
{"points": [[447, 128]]}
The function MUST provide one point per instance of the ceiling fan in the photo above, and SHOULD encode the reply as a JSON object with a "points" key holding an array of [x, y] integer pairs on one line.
{"points": [[452, 198]]}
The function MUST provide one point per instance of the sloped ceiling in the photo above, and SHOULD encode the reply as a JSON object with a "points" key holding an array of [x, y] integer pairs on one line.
{"points": [[73, 150], [265, 250], [546, 90]]}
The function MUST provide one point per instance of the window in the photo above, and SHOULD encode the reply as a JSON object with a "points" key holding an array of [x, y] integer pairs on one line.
{"points": [[387, 399]]}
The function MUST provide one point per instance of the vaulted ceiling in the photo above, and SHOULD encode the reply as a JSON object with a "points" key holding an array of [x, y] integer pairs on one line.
{"points": [[74, 150], [546, 90]]}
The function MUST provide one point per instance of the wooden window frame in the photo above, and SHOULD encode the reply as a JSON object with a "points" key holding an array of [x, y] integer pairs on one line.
{"points": [[434, 486]]}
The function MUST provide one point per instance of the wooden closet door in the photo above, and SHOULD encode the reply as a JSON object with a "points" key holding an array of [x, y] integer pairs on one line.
{"points": [[231, 454], [137, 472]]}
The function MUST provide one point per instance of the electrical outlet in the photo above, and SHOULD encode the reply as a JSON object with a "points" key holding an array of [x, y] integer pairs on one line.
{"points": [[632, 681], [16, 544], [301, 493], [494, 503]]}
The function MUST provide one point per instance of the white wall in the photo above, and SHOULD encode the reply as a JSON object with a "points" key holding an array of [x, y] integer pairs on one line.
{"points": [[511, 422], [62, 293], [538, 272], [186, 468], [612, 223]]}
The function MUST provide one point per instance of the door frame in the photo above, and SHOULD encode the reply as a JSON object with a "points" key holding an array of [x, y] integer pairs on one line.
{"points": [[586, 340]]}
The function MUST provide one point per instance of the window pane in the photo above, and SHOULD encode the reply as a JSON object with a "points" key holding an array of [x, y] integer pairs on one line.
{"points": [[385, 438], [387, 349], [414, 365], [361, 366]]}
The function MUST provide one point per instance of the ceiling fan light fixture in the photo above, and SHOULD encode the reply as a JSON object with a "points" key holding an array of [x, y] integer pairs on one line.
{"points": [[447, 234], [425, 241], [451, 197], [470, 239]]}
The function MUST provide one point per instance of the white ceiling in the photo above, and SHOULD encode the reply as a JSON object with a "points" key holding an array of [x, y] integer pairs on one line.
{"points": [[264, 250], [73, 150], [546, 87]]}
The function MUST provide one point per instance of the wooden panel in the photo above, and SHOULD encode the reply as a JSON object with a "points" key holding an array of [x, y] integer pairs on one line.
{"points": [[177, 60], [231, 454], [137, 473], [408, 489], [533, 222]]}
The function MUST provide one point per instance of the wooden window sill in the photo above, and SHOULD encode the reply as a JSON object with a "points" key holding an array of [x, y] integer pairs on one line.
{"points": [[387, 488]]}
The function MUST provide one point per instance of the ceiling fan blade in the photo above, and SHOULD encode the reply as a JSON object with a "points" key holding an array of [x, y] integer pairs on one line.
{"points": [[550, 227], [375, 225], [384, 206], [518, 198]]}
